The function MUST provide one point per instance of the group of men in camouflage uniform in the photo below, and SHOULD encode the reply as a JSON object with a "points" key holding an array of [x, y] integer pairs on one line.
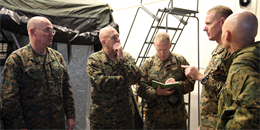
{"points": [[111, 71], [230, 94], [162, 112]]}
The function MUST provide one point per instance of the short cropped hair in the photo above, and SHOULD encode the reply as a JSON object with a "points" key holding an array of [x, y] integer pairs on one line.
{"points": [[101, 31], [162, 36], [221, 11]]}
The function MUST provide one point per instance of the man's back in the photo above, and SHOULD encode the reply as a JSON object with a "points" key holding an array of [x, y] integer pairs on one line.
{"points": [[240, 97]]}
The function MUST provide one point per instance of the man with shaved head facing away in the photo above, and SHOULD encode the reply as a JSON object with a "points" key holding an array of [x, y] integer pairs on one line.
{"points": [[110, 72], [239, 101], [35, 87]]}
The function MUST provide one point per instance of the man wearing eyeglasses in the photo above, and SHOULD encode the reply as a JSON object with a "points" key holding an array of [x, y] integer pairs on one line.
{"points": [[36, 90], [165, 107]]}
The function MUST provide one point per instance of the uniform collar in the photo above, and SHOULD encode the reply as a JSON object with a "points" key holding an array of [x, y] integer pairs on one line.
{"points": [[171, 60], [33, 56], [218, 50], [106, 58], [250, 49]]}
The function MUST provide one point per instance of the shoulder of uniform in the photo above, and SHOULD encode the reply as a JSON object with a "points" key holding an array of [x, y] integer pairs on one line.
{"points": [[97, 55], [20, 50], [175, 54], [178, 56], [150, 59], [54, 51], [126, 53]]}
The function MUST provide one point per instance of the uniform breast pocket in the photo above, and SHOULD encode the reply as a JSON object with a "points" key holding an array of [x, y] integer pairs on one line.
{"points": [[174, 72], [174, 69], [58, 74], [34, 74], [32, 81], [155, 75]]}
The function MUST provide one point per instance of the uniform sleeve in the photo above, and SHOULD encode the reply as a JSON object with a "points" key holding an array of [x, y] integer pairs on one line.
{"points": [[99, 80], [143, 89], [10, 94], [210, 82], [186, 85], [241, 110], [132, 71], [69, 104]]}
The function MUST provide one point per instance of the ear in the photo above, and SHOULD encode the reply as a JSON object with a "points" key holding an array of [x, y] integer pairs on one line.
{"points": [[31, 30], [222, 20], [103, 42], [228, 35], [170, 45]]}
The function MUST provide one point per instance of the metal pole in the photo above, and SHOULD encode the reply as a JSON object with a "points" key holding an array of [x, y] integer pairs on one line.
{"points": [[15, 40]]}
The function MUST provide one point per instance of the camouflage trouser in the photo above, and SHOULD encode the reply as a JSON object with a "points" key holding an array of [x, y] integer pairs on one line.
{"points": [[161, 125], [125, 125]]}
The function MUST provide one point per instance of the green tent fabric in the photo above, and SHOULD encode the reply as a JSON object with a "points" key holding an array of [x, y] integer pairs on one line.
{"points": [[77, 22]]}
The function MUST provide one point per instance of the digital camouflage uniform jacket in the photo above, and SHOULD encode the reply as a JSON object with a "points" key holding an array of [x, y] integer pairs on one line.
{"points": [[160, 113], [239, 102], [112, 107], [36, 96], [209, 93]]}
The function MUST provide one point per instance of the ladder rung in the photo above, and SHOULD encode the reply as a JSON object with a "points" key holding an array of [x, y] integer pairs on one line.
{"points": [[186, 103], [2, 41], [143, 56], [178, 11], [163, 27], [149, 42]]}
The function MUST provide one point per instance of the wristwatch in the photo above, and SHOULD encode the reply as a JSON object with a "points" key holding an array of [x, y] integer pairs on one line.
{"points": [[204, 80]]}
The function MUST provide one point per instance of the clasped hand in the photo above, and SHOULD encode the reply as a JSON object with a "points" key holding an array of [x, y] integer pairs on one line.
{"points": [[117, 47]]}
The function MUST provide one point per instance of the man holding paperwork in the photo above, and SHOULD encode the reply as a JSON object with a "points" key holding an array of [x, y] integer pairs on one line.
{"points": [[165, 106]]}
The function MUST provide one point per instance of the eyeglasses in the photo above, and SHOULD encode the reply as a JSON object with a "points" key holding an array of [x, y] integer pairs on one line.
{"points": [[47, 30], [162, 51]]}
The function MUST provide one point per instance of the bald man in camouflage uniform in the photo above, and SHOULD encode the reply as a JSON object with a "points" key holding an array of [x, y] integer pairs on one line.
{"points": [[110, 72], [239, 101], [36, 90], [165, 107], [215, 18]]}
